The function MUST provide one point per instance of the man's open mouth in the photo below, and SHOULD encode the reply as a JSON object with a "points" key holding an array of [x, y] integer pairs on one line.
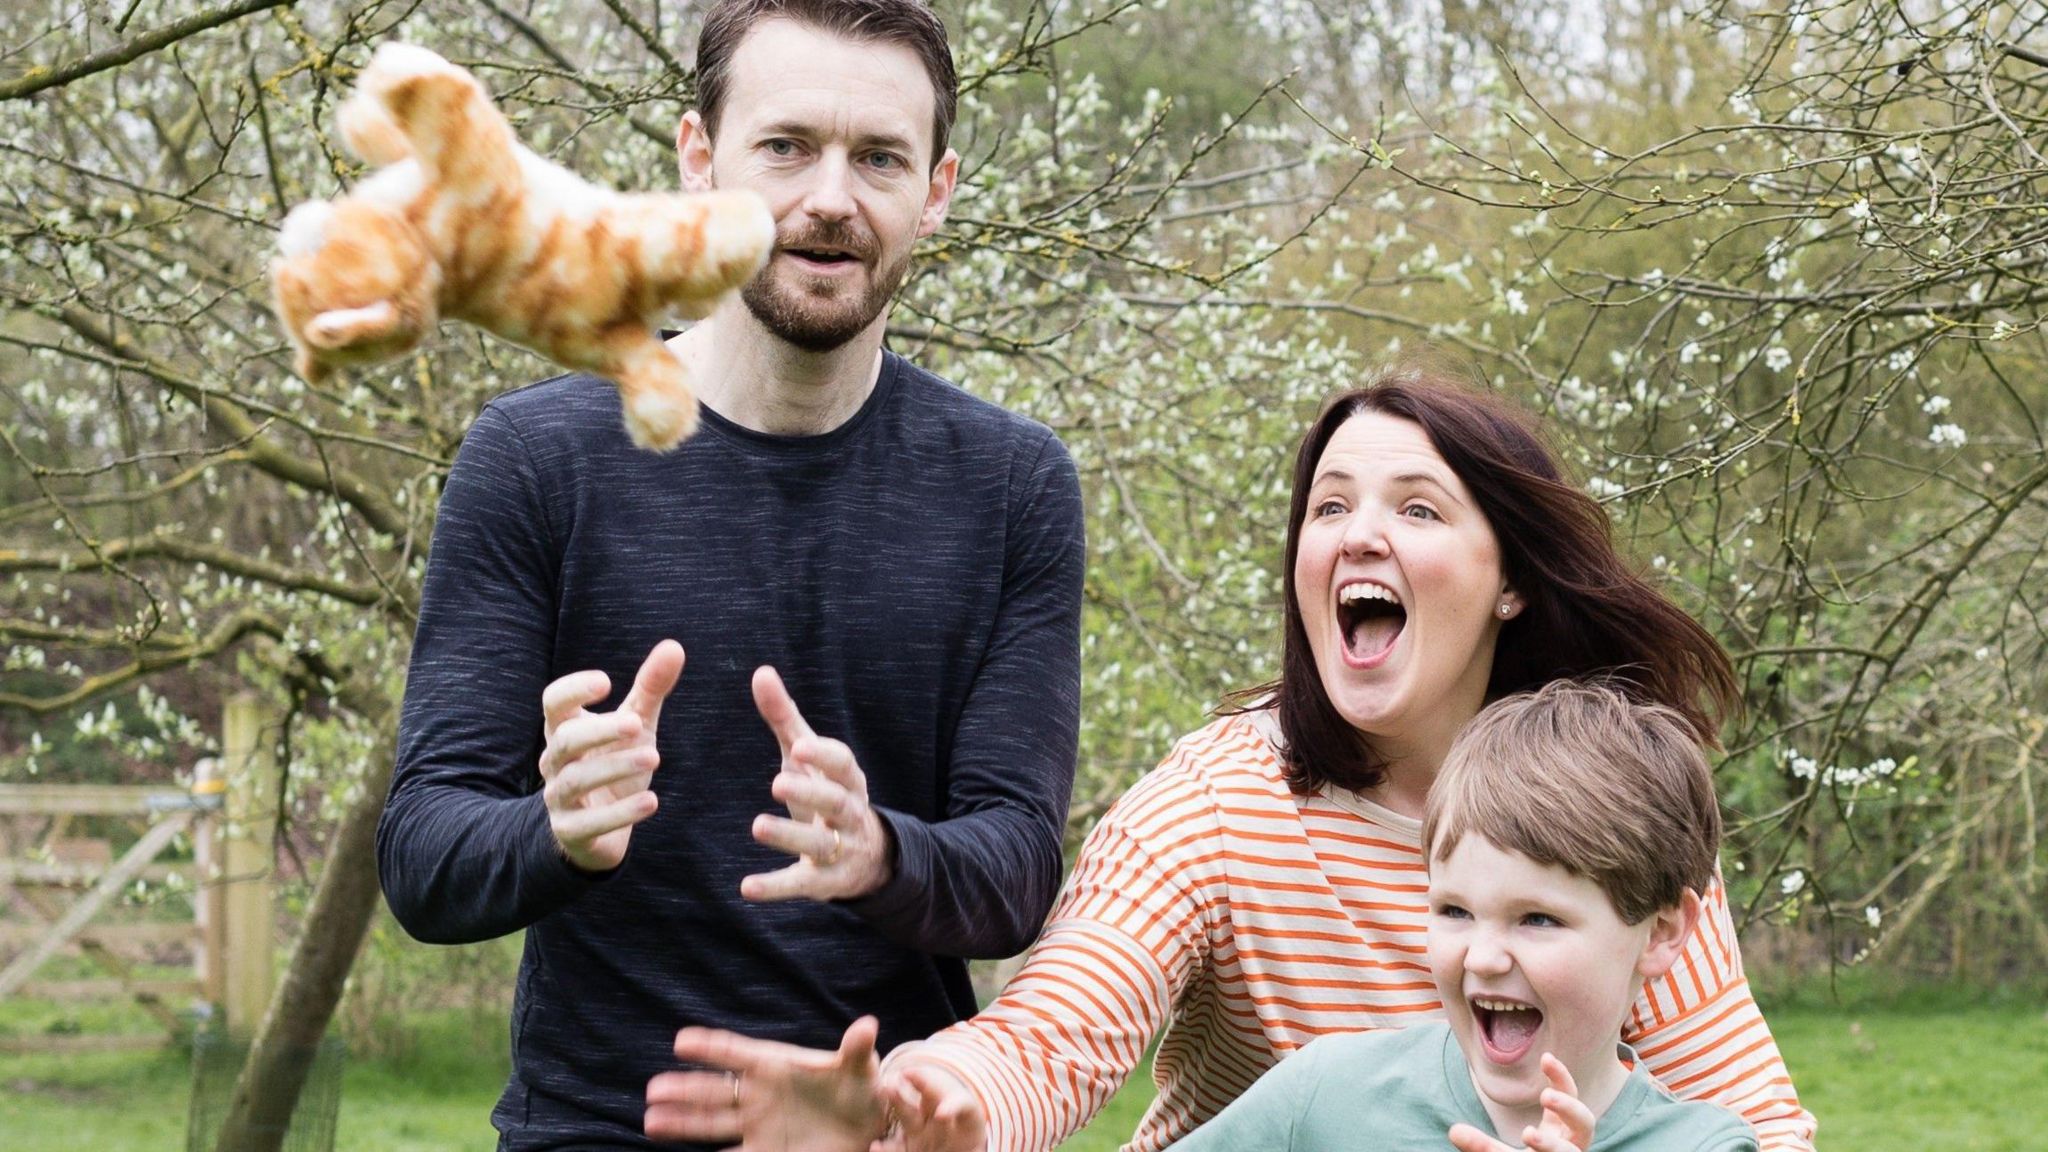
{"points": [[1371, 617], [1507, 1026], [829, 256]]}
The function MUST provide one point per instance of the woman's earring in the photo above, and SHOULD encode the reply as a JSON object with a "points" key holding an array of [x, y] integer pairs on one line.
{"points": [[1505, 608]]}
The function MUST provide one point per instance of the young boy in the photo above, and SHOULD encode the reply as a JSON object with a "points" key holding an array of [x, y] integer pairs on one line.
{"points": [[1568, 836]]}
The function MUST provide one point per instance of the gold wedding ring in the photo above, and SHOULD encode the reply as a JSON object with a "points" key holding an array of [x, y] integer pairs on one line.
{"points": [[735, 1088], [837, 844]]}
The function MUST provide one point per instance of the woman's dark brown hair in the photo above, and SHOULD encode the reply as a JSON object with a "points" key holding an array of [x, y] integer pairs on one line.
{"points": [[1585, 610]]}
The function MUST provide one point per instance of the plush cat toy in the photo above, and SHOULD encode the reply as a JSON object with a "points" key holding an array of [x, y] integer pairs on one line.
{"points": [[461, 221]]}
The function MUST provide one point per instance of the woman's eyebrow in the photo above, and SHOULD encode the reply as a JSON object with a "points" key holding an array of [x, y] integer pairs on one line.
{"points": [[1431, 480]]}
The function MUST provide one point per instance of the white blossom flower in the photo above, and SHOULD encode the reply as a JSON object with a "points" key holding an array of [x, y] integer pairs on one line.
{"points": [[1792, 882], [1517, 305], [1777, 358], [1689, 353], [1949, 435], [1935, 405], [1860, 210], [1872, 915]]}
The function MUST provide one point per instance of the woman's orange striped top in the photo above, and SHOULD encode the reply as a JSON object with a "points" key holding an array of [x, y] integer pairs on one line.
{"points": [[1249, 921]]}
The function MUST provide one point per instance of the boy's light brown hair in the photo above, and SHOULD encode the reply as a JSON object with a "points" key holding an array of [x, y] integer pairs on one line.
{"points": [[1578, 775]]}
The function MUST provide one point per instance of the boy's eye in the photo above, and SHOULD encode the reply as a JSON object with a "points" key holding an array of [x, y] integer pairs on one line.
{"points": [[1452, 912], [1542, 920]]}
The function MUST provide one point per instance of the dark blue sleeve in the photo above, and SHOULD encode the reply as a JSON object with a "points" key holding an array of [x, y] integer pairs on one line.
{"points": [[464, 850], [979, 883]]}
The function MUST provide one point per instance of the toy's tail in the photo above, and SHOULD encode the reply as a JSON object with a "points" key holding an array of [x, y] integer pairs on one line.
{"points": [[410, 102]]}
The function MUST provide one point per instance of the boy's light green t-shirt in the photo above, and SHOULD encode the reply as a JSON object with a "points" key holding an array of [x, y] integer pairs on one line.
{"points": [[1400, 1090]]}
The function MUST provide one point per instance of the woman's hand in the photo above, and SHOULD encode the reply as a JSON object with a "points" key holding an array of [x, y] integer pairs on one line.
{"points": [[1567, 1123], [767, 1096]]}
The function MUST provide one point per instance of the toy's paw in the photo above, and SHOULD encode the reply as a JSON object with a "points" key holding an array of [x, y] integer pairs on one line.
{"points": [[658, 421], [348, 327]]}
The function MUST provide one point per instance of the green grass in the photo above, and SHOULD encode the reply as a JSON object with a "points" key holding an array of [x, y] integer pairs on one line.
{"points": [[435, 1096], [1913, 1072]]}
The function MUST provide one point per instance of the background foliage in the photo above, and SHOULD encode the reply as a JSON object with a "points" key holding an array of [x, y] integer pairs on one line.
{"points": [[1770, 272]]}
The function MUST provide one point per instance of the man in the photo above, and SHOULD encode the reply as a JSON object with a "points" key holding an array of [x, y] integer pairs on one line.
{"points": [[876, 579]]}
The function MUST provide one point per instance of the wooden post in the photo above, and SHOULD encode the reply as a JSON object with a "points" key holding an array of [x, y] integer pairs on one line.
{"points": [[249, 824], [209, 904]]}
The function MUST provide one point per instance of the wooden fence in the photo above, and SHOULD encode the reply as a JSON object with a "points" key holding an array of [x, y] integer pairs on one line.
{"points": [[60, 892]]}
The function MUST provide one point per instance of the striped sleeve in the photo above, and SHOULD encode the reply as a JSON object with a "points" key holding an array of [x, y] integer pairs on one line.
{"points": [[1699, 1032], [1127, 934]]}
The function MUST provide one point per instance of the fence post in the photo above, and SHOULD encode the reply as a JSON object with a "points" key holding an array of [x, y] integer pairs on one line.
{"points": [[210, 903], [245, 836]]}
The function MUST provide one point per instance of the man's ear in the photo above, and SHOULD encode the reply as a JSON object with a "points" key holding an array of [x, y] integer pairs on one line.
{"points": [[693, 153], [1670, 928], [945, 176]]}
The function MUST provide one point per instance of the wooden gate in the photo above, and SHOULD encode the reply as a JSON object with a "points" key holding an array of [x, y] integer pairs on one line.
{"points": [[60, 891]]}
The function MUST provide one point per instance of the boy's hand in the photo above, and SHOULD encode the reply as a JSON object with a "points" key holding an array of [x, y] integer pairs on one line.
{"points": [[1567, 1123], [934, 1112]]}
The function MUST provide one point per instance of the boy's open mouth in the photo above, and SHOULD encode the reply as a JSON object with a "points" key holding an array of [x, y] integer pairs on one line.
{"points": [[1371, 617], [1507, 1026]]}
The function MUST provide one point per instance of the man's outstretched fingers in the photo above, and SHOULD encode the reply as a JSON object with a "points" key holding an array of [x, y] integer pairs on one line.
{"points": [[827, 757], [584, 733], [655, 680], [587, 824], [561, 698], [859, 1042], [816, 795], [692, 1106], [779, 709], [798, 839]]}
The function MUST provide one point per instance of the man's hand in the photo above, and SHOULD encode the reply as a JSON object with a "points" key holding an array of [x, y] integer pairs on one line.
{"points": [[842, 850], [766, 1095], [597, 765], [1567, 1123], [934, 1112]]}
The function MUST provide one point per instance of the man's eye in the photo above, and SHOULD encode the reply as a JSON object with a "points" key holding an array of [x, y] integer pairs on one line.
{"points": [[780, 147], [884, 161]]}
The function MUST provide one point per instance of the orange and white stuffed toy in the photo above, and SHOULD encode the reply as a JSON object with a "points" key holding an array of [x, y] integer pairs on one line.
{"points": [[461, 221]]}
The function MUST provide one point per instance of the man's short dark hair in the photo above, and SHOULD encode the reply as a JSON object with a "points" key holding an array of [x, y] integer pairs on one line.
{"points": [[910, 23]]}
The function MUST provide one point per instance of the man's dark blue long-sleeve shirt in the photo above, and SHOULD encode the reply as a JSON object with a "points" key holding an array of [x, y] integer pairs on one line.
{"points": [[915, 575]]}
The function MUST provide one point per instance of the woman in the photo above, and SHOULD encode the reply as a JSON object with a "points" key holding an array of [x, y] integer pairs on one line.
{"points": [[1265, 884]]}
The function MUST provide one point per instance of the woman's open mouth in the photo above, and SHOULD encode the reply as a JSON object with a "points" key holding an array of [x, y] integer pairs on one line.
{"points": [[1371, 618], [1507, 1028]]}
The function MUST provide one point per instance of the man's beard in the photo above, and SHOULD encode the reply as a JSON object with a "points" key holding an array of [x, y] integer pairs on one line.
{"points": [[822, 324]]}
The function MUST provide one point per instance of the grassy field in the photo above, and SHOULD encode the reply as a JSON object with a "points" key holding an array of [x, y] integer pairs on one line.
{"points": [[1928, 1072]]}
